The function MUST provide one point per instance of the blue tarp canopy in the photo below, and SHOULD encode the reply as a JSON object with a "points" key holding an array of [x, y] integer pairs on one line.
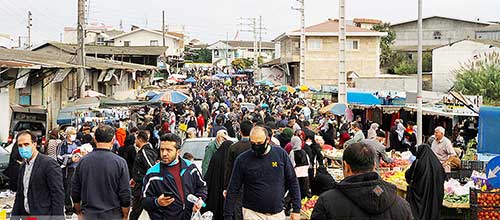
{"points": [[362, 98], [489, 122], [190, 80]]}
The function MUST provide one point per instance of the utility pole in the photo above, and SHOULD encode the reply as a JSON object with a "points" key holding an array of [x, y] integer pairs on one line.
{"points": [[419, 71], [252, 27], [342, 81], [80, 53], [163, 26], [227, 49], [121, 25], [29, 30], [260, 35], [302, 66]]}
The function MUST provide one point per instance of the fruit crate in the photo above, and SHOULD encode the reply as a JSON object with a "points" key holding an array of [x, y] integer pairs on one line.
{"points": [[473, 165], [484, 199], [482, 213]]}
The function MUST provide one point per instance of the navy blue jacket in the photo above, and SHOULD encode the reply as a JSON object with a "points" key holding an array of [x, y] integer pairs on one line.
{"points": [[264, 179], [158, 181]]}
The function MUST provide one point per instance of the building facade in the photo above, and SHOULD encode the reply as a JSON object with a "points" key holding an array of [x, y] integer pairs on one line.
{"points": [[437, 31], [322, 53], [225, 52], [449, 58]]}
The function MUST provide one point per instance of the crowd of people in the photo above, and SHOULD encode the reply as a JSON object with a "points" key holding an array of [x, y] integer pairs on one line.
{"points": [[265, 157]]}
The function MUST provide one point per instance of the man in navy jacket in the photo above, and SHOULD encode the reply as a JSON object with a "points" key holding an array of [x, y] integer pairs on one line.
{"points": [[265, 173], [168, 183]]}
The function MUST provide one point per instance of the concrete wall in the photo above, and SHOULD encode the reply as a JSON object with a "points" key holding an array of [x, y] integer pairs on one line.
{"points": [[407, 84], [449, 58], [290, 50], [451, 31], [322, 65], [488, 35], [144, 38]]}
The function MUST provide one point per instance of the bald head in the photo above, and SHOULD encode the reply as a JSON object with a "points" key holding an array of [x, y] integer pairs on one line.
{"points": [[258, 135]]}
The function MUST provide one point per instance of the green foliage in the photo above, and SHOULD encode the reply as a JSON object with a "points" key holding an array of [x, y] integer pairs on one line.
{"points": [[242, 63], [406, 66], [199, 56], [481, 76], [427, 62], [387, 56]]}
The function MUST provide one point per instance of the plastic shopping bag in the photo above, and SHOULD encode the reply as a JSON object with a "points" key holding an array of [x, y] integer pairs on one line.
{"points": [[206, 216]]}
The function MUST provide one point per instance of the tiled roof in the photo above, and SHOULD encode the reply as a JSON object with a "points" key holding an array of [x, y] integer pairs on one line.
{"points": [[332, 25]]}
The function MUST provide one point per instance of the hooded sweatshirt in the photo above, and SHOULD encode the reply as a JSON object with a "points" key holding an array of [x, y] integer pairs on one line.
{"points": [[364, 196]]}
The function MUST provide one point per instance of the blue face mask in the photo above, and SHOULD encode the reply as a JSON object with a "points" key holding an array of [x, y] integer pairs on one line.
{"points": [[25, 152]]}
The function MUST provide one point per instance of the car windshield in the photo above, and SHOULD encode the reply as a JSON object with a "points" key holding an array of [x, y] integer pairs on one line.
{"points": [[196, 148], [21, 126]]}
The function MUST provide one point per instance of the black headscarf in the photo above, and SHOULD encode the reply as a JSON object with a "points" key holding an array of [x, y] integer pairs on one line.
{"points": [[426, 184], [215, 181]]}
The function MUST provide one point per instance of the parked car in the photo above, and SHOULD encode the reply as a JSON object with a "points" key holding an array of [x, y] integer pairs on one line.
{"points": [[196, 147], [4, 163], [28, 118]]}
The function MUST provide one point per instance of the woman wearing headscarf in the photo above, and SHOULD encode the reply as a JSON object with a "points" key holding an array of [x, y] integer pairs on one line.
{"points": [[372, 132], [425, 184], [215, 181]]}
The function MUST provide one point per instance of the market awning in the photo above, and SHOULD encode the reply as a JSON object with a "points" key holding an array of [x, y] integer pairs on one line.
{"points": [[363, 98], [109, 75], [22, 78], [61, 75], [102, 75]]}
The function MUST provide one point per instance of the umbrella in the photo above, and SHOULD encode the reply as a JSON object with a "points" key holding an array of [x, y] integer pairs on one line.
{"points": [[339, 109], [264, 105], [171, 96], [286, 89], [221, 75], [335, 108], [173, 78], [190, 80], [179, 76], [92, 93], [151, 94]]}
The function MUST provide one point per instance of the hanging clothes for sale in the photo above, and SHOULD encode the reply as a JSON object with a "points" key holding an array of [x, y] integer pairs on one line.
{"points": [[377, 115]]}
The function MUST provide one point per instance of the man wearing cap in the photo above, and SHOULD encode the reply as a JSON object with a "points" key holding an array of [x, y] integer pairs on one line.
{"points": [[212, 148]]}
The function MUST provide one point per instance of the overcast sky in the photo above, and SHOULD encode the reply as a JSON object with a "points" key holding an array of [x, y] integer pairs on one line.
{"points": [[209, 20]]}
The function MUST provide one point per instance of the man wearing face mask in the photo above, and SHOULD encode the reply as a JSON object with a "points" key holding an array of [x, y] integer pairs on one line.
{"points": [[264, 174], [168, 183], [40, 189], [68, 165]]}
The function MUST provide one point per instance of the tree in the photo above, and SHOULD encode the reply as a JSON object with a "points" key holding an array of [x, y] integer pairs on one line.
{"points": [[242, 63], [387, 56], [198, 56], [480, 76]]}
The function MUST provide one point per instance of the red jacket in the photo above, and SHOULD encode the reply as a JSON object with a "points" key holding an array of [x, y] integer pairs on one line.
{"points": [[201, 121]]}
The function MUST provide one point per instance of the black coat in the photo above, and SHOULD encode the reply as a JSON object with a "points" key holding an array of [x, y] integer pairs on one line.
{"points": [[128, 153], [12, 170], [425, 184], [46, 192], [146, 158], [364, 196]]}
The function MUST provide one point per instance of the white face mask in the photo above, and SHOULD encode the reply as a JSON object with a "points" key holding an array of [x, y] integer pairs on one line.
{"points": [[309, 142], [72, 137]]}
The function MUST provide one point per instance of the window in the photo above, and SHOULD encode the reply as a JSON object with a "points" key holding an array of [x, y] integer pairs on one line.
{"points": [[437, 35], [126, 43], [314, 44], [153, 43], [100, 40], [216, 53], [352, 45]]}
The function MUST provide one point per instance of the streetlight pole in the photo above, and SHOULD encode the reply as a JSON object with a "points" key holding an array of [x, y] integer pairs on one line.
{"points": [[419, 70]]}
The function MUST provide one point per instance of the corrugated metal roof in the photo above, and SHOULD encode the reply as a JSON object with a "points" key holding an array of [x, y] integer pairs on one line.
{"points": [[49, 60], [111, 50], [17, 64]]}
